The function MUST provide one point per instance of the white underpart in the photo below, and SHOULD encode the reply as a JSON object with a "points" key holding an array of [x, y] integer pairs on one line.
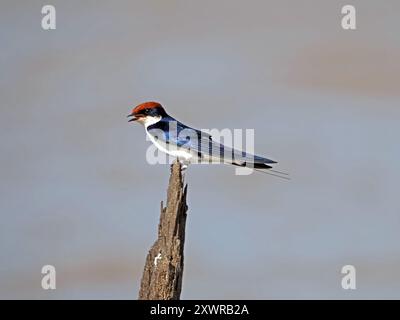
{"points": [[161, 145]]}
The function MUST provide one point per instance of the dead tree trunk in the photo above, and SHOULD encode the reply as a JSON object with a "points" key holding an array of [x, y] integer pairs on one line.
{"points": [[163, 271]]}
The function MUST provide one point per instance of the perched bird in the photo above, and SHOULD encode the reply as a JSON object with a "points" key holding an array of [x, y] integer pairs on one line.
{"points": [[191, 145]]}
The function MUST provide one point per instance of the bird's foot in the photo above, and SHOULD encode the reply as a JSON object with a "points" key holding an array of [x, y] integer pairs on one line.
{"points": [[184, 165]]}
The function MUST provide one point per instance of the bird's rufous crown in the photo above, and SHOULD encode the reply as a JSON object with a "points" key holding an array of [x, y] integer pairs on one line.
{"points": [[146, 105]]}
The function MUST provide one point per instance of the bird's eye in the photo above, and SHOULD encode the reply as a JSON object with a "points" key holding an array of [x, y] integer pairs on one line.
{"points": [[146, 110]]}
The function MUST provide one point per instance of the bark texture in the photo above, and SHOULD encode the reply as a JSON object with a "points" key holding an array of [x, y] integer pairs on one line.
{"points": [[163, 271]]}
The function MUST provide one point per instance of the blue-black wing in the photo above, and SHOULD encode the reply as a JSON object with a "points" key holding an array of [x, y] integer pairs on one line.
{"points": [[172, 131]]}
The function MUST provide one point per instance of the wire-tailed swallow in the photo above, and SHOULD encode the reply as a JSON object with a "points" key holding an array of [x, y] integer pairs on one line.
{"points": [[190, 145]]}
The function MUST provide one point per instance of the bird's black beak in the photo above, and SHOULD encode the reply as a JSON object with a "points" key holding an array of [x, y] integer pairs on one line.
{"points": [[133, 119]]}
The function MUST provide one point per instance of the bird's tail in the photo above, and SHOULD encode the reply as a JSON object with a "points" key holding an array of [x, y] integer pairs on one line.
{"points": [[263, 165]]}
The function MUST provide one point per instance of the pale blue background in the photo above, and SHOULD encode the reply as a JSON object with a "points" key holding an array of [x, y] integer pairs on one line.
{"points": [[77, 192]]}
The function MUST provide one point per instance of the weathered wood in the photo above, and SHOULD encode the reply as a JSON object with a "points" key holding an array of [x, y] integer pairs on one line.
{"points": [[163, 271]]}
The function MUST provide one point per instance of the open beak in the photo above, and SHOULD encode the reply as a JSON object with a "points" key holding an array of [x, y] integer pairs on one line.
{"points": [[131, 115]]}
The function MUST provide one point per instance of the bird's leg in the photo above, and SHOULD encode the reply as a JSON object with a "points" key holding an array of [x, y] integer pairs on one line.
{"points": [[184, 165]]}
